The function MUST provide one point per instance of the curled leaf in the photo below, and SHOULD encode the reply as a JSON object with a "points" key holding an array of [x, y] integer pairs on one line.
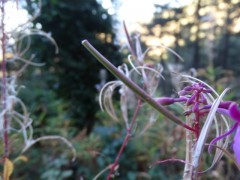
{"points": [[8, 169], [21, 158]]}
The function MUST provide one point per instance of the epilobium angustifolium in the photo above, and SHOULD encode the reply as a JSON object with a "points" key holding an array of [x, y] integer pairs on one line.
{"points": [[15, 43], [206, 113], [231, 110]]}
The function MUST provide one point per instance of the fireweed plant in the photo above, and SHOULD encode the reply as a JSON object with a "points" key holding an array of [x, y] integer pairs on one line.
{"points": [[209, 120], [15, 43]]}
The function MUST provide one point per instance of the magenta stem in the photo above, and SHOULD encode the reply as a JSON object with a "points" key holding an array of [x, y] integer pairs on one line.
{"points": [[4, 83], [126, 139]]}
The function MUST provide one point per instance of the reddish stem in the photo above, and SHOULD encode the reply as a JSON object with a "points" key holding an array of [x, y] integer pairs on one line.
{"points": [[4, 83], [170, 160], [197, 116], [126, 139]]}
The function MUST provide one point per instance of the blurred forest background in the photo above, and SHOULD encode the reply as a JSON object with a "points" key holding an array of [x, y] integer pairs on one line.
{"points": [[62, 95]]}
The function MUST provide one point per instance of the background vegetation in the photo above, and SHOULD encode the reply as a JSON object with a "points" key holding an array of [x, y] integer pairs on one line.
{"points": [[62, 96]]}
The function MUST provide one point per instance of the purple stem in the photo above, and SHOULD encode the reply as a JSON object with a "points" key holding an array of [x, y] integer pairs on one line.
{"points": [[222, 136], [126, 139]]}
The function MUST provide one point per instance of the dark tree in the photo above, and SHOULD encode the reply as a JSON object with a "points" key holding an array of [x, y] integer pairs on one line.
{"points": [[196, 46], [73, 72]]}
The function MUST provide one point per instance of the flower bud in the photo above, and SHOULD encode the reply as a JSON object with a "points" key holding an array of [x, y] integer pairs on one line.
{"points": [[225, 104], [165, 101], [234, 112], [182, 93]]}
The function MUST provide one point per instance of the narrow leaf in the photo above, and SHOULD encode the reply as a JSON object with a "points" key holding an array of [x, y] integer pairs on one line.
{"points": [[134, 87]]}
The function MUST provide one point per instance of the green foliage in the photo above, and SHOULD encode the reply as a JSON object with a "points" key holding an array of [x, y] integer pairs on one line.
{"points": [[141, 151], [61, 96], [73, 73], [54, 170], [162, 141]]}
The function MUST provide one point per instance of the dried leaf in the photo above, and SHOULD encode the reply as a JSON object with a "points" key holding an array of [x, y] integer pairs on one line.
{"points": [[8, 169], [21, 158]]}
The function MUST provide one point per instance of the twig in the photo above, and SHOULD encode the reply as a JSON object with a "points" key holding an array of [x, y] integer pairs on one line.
{"points": [[126, 139]]}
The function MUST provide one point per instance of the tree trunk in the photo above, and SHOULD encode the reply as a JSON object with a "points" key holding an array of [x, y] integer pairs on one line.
{"points": [[196, 46], [225, 53]]}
